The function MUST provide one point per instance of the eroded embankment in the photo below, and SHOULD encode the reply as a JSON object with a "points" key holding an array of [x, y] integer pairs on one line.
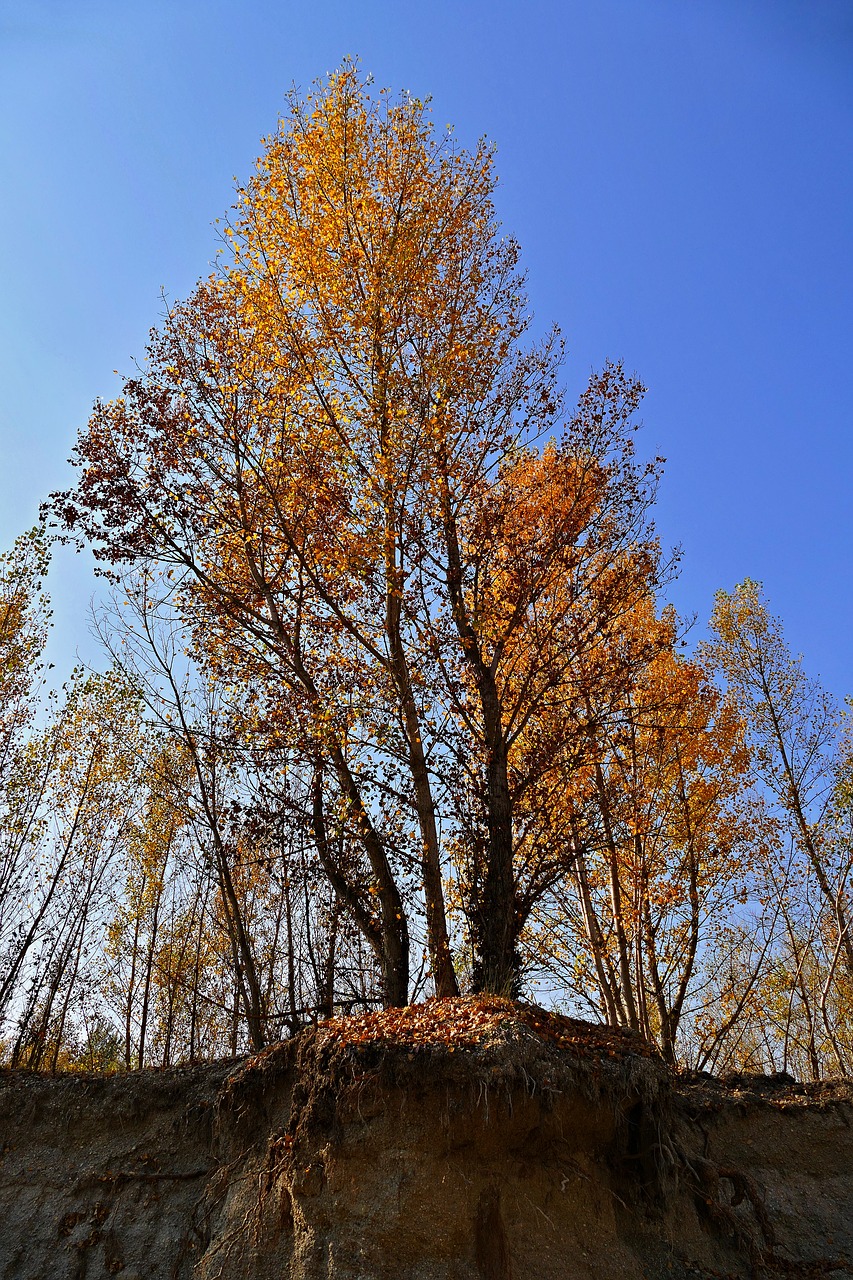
{"points": [[472, 1140]]}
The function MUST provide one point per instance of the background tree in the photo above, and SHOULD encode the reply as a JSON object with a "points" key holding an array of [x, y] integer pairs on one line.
{"points": [[84, 766], [658, 819], [801, 752], [226, 846]]}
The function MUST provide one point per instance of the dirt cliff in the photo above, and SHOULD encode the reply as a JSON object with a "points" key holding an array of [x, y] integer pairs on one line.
{"points": [[469, 1140]]}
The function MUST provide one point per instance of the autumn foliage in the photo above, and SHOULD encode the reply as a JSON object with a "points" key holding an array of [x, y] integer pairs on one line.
{"points": [[403, 713], [335, 449]]}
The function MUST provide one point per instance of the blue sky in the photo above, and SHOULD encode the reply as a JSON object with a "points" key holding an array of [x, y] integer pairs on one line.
{"points": [[679, 174]]}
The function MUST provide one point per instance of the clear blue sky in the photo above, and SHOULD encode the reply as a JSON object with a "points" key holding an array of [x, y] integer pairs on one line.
{"points": [[679, 173]]}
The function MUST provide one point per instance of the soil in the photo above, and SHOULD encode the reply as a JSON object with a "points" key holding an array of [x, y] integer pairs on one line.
{"points": [[458, 1140]]}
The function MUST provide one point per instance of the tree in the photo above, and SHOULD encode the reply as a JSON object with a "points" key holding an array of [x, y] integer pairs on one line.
{"points": [[661, 830], [335, 449], [221, 885], [801, 749], [797, 732], [24, 622], [84, 764], [24, 775]]}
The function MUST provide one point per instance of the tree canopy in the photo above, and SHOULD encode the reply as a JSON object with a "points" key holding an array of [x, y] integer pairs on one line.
{"points": [[357, 465], [395, 705]]}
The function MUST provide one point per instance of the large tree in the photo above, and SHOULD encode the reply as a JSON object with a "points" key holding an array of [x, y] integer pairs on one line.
{"points": [[336, 448]]}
